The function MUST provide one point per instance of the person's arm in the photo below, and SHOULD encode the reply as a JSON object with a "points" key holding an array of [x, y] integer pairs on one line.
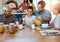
{"points": [[46, 19], [15, 18], [56, 23], [20, 5], [47, 16], [23, 21], [53, 26], [43, 18]]}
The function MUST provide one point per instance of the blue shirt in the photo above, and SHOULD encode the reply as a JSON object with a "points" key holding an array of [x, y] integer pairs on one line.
{"points": [[44, 13], [56, 21]]}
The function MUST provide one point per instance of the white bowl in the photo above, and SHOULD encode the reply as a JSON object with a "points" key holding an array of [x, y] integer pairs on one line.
{"points": [[44, 25], [11, 24], [20, 26]]}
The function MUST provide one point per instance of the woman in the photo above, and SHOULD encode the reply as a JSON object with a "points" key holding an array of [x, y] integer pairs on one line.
{"points": [[24, 5]]}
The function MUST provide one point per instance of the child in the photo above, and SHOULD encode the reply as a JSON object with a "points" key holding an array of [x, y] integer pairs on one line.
{"points": [[28, 20]]}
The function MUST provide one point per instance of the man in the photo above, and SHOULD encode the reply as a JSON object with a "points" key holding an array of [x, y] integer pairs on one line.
{"points": [[56, 11], [43, 15], [2, 18], [9, 18]]}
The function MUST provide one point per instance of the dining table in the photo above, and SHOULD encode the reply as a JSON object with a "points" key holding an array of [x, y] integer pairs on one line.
{"points": [[27, 35]]}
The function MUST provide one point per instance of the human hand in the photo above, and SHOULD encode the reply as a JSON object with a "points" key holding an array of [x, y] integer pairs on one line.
{"points": [[39, 18]]}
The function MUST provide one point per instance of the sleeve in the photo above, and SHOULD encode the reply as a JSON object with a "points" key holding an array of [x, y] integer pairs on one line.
{"points": [[56, 22], [2, 18], [48, 14], [21, 5], [34, 17], [24, 19], [16, 21], [35, 13], [14, 18]]}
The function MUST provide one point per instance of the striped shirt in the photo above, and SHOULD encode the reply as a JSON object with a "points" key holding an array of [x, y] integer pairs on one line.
{"points": [[10, 19]]}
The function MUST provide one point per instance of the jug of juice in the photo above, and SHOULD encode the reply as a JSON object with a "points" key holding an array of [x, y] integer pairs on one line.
{"points": [[37, 22], [11, 28]]}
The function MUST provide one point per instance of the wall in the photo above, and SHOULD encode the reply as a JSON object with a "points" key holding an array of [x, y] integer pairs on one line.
{"points": [[0, 6]]}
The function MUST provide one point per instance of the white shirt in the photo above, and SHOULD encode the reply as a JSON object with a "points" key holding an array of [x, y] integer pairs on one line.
{"points": [[29, 20]]}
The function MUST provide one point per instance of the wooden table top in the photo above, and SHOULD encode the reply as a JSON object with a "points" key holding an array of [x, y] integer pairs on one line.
{"points": [[28, 35]]}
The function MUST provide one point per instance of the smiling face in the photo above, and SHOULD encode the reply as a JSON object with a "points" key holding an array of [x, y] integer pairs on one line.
{"points": [[30, 11], [40, 8], [41, 5], [8, 12], [55, 9]]}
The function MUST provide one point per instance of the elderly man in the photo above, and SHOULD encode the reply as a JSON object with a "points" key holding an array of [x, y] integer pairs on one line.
{"points": [[56, 22], [8, 17]]}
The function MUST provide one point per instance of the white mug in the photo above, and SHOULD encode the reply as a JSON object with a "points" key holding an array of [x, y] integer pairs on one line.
{"points": [[11, 24], [45, 25], [33, 26], [20, 26], [17, 23]]}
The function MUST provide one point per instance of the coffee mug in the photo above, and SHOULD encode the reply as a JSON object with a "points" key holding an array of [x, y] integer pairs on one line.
{"points": [[45, 25], [20, 26], [11, 24], [17, 23], [33, 26]]}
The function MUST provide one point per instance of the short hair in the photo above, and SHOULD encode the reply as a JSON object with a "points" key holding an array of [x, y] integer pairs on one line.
{"points": [[11, 1], [26, 1], [5, 8], [30, 7], [42, 3], [31, 1]]}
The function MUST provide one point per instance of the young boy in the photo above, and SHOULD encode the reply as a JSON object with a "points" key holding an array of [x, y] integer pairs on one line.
{"points": [[28, 20]]}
